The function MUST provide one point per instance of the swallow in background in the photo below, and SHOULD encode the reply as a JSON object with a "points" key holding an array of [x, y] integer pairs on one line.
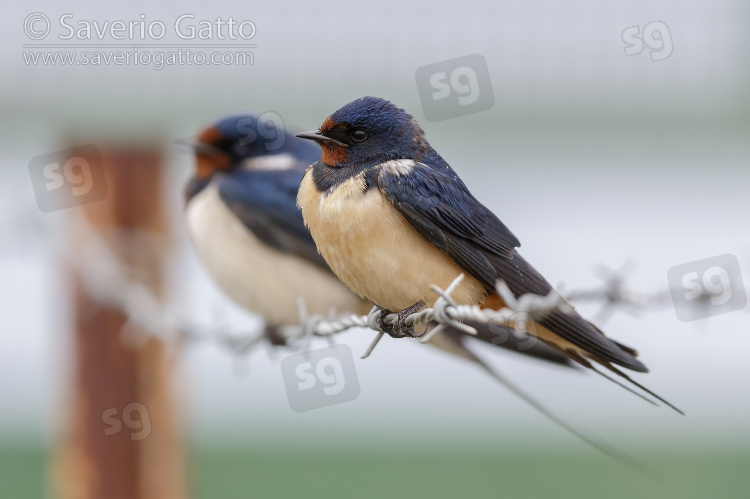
{"points": [[243, 218], [391, 217], [246, 228]]}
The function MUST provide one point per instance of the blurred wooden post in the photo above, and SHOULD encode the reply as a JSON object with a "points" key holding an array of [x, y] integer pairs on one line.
{"points": [[109, 454]]}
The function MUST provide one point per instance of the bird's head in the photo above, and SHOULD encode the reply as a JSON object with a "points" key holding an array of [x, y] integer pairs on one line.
{"points": [[368, 131], [232, 141], [247, 142]]}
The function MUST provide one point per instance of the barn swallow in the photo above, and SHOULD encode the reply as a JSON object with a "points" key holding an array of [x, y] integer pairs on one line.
{"points": [[247, 230], [249, 234], [391, 218]]}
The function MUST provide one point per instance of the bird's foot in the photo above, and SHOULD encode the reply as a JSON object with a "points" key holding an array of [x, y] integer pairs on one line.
{"points": [[401, 329], [274, 336]]}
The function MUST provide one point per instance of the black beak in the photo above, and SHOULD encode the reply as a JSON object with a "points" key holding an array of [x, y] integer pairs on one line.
{"points": [[201, 147], [317, 137]]}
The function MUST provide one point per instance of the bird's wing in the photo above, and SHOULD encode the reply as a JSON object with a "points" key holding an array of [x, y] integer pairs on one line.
{"points": [[266, 203], [440, 208]]}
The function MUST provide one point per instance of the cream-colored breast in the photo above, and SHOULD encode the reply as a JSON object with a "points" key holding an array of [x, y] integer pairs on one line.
{"points": [[374, 250], [257, 276]]}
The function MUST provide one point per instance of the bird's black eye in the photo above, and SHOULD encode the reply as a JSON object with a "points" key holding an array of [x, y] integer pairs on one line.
{"points": [[359, 135]]}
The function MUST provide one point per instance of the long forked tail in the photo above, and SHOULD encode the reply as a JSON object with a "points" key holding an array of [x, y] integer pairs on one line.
{"points": [[585, 363], [640, 386]]}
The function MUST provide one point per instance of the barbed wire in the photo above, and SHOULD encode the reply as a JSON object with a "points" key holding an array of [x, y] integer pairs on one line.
{"points": [[116, 285], [111, 282]]}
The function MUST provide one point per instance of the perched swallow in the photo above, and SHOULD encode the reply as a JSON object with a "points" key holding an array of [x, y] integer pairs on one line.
{"points": [[248, 232], [391, 217], [247, 229]]}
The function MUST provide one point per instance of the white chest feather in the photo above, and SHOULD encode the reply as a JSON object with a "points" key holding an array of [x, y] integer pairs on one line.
{"points": [[374, 250], [255, 275]]}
